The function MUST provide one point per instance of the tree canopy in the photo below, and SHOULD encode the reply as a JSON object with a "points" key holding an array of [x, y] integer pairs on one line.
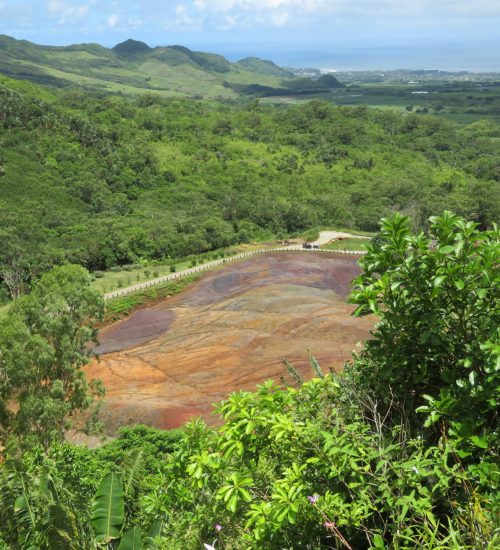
{"points": [[44, 342]]}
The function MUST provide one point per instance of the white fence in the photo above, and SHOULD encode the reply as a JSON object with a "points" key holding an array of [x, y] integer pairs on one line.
{"points": [[213, 263]]}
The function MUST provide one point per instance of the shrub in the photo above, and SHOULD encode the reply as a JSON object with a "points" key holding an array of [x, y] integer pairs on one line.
{"points": [[436, 347], [298, 468]]}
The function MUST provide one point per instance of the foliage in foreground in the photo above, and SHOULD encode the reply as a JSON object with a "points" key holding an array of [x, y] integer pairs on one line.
{"points": [[437, 346], [291, 468], [336, 462]]}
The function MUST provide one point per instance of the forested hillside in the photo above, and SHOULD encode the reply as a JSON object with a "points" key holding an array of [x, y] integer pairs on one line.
{"points": [[132, 67], [102, 180]]}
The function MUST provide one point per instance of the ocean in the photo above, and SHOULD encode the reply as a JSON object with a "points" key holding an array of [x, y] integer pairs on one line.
{"points": [[447, 57]]}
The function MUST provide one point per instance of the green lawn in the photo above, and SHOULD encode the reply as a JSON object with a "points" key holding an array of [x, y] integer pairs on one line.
{"points": [[122, 306], [347, 244], [113, 280], [349, 230]]}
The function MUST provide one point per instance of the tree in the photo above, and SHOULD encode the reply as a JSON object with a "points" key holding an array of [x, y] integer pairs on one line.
{"points": [[44, 343]]}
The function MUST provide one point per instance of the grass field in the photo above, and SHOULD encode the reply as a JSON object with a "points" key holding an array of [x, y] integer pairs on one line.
{"points": [[112, 280], [460, 102], [107, 281], [351, 231], [120, 307], [346, 244]]}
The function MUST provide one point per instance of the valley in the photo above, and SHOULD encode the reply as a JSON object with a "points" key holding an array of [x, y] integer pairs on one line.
{"points": [[243, 306]]}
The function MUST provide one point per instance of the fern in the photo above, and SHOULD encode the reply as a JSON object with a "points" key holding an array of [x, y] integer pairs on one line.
{"points": [[26, 521], [63, 532]]}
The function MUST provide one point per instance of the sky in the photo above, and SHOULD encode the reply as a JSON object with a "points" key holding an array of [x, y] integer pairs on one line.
{"points": [[328, 34]]}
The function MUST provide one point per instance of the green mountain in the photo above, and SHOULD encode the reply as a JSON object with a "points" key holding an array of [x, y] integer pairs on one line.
{"points": [[325, 82], [263, 66], [131, 48], [133, 67]]}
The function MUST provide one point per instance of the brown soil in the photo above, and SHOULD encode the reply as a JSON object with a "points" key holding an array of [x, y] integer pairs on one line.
{"points": [[230, 331]]}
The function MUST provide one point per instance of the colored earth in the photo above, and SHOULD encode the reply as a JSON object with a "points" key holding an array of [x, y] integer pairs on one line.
{"points": [[230, 331]]}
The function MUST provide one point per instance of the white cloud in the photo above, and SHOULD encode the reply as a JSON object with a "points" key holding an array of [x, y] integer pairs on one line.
{"points": [[112, 20], [250, 13], [67, 11], [254, 14], [355, 8], [266, 5], [280, 19], [183, 19]]}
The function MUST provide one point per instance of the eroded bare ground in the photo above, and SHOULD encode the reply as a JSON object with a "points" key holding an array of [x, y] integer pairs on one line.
{"points": [[230, 331]]}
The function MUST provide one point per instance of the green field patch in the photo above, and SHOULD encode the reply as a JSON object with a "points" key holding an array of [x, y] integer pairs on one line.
{"points": [[347, 244], [238, 76], [349, 230], [108, 281], [120, 307]]}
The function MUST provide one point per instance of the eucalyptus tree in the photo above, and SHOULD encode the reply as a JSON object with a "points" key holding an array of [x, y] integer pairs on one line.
{"points": [[44, 343]]}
